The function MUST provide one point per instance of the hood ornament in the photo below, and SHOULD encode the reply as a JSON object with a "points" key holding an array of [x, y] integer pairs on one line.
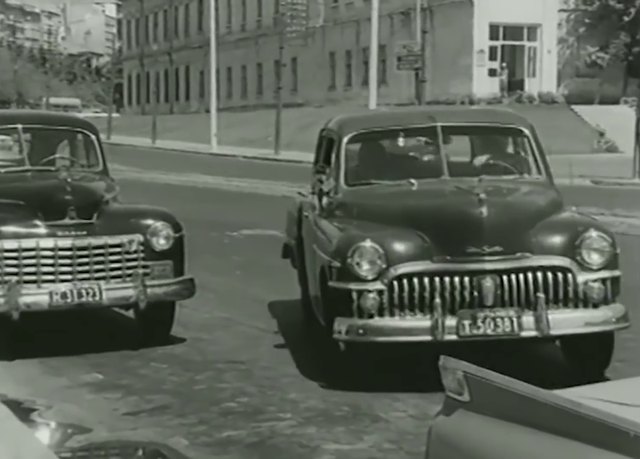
{"points": [[485, 249], [72, 214], [483, 210]]}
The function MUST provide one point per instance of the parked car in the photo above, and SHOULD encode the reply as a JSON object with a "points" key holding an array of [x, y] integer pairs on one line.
{"points": [[68, 242], [437, 225], [486, 415]]}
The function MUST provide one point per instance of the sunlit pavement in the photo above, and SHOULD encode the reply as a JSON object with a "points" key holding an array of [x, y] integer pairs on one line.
{"points": [[240, 379]]}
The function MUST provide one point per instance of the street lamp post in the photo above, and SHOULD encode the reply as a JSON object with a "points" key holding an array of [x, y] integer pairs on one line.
{"points": [[213, 83], [373, 55]]}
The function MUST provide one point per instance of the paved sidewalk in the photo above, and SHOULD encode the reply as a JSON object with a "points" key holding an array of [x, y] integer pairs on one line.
{"points": [[612, 168], [17, 441]]}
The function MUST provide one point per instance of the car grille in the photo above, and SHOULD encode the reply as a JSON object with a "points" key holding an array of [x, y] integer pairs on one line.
{"points": [[414, 295], [38, 262]]}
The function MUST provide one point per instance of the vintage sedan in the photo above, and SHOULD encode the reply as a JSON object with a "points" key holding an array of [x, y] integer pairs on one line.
{"points": [[486, 415], [66, 239], [435, 225]]}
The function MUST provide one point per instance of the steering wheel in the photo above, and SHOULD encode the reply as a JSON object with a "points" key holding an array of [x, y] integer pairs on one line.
{"points": [[71, 159], [497, 162]]}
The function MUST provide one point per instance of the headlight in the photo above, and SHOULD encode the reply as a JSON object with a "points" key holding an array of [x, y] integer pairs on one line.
{"points": [[595, 249], [161, 236], [366, 260]]}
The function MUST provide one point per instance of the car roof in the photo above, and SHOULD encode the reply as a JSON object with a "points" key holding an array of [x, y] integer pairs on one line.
{"points": [[47, 118], [392, 118]]}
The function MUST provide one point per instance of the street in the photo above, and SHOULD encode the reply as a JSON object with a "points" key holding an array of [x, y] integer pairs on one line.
{"points": [[242, 379]]}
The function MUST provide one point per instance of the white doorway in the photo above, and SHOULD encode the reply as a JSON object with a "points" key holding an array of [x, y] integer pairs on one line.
{"points": [[518, 46]]}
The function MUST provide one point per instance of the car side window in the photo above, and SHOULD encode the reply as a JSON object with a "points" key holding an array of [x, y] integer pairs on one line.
{"points": [[324, 152]]}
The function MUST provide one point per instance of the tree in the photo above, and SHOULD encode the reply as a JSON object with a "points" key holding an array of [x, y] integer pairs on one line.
{"points": [[613, 28]]}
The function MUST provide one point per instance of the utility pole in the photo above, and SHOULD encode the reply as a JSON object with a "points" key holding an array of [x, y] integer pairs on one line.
{"points": [[143, 37], [213, 83], [373, 54], [278, 95], [424, 30], [417, 75], [170, 26]]}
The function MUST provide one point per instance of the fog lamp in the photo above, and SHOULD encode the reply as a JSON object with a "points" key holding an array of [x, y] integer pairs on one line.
{"points": [[370, 302], [594, 291]]}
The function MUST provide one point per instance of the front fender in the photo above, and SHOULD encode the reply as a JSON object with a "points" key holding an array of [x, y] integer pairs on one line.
{"points": [[401, 245], [559, 234]]}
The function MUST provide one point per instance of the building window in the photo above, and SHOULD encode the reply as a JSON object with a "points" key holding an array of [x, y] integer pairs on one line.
{"points": [[243, 15], [147, 30], [365, 66], [276, 12], [128, 34], [201, 86], [187, 83], [137, 31], [277, 80], [129, 90], [138, 89], [157, 88], [382, 65], [259, 13], [259, 80], [332, 70], [200, 15], [348, 69], [294, 75], [147, 87], [177, 84], [176, 22], [229, 83], [165, 24], [187, 20], [166, 86], [155, 27], [243, 82], [229, 16]]}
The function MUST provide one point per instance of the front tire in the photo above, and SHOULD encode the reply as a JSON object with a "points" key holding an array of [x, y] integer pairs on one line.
{"points": [[155, 323], [590, 354]]}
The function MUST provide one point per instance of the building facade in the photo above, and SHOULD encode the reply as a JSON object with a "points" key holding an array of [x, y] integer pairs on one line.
{"points": [[29, 26], [166, 55]]}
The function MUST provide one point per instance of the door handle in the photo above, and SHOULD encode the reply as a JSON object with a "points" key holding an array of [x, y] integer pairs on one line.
{"points": [[306, 214]]}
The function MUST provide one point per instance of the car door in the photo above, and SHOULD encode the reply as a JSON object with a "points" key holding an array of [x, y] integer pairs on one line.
{"points": [[316, 229]]}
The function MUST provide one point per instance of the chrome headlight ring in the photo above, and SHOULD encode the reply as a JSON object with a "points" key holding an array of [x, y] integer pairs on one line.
{"points": [[594, 249], [366, 260], [161, 236]]}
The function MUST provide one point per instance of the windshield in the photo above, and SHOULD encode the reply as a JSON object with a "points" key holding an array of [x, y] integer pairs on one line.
{"points": [[465, 151], [29, 147]]}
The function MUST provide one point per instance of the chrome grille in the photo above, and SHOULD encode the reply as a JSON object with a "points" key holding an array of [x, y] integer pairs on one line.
{"points": [[413, 295], [38, 262]]}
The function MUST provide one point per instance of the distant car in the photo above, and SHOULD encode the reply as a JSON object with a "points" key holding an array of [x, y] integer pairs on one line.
{"points": [[438, 225], [486, 415], [66, 239]]}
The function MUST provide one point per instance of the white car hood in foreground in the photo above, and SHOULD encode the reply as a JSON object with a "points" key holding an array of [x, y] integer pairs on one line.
{"points": [[621, 397]]}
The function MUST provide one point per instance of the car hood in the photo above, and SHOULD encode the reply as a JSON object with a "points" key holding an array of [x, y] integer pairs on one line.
{"points": [[619, 397], [50, 195], [459, 217]]}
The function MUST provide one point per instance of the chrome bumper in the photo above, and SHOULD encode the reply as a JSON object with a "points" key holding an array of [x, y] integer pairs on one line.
{"points": [[534, 325], [15, 299]]}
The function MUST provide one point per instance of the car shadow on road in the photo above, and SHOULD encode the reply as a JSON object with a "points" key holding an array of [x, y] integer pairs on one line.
{"points": [[411, 368], [70, 333]]}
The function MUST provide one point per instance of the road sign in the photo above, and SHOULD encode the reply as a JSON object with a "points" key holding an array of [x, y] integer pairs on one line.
{"points": [[408, 56]]}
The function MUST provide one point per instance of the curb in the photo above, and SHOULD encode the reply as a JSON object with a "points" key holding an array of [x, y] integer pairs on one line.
{"points": [[224, 154]]}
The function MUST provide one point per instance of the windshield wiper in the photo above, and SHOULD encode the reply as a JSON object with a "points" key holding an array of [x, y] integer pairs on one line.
{"points": [[28, 169], [408, 181]]}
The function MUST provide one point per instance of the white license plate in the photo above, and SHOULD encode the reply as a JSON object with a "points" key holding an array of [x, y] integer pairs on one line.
{"points": [[504, 322], [72, 294]]}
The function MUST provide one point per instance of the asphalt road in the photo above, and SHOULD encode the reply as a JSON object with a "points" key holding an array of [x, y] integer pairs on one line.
{"points": [[241, 379]]}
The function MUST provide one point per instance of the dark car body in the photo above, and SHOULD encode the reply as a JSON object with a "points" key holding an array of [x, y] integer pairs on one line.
{"points": [[444, 240], [67, 241], [486, 415]]}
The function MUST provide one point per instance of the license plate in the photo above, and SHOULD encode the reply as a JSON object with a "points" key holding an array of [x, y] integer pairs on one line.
{"points": [[68, 295], [489, 323]]}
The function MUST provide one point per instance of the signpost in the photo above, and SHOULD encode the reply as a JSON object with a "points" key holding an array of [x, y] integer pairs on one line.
{"points": [[408, 56]]}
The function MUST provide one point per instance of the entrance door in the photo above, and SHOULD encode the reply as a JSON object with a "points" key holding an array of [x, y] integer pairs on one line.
{"points": [[518, 47]]}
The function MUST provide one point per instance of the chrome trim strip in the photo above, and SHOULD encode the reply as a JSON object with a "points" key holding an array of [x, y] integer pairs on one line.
{"points": [[333, 263]]}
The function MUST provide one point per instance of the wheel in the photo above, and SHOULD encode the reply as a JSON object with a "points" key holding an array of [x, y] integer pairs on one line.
{"points": [[155, 323], [590, 355]]}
